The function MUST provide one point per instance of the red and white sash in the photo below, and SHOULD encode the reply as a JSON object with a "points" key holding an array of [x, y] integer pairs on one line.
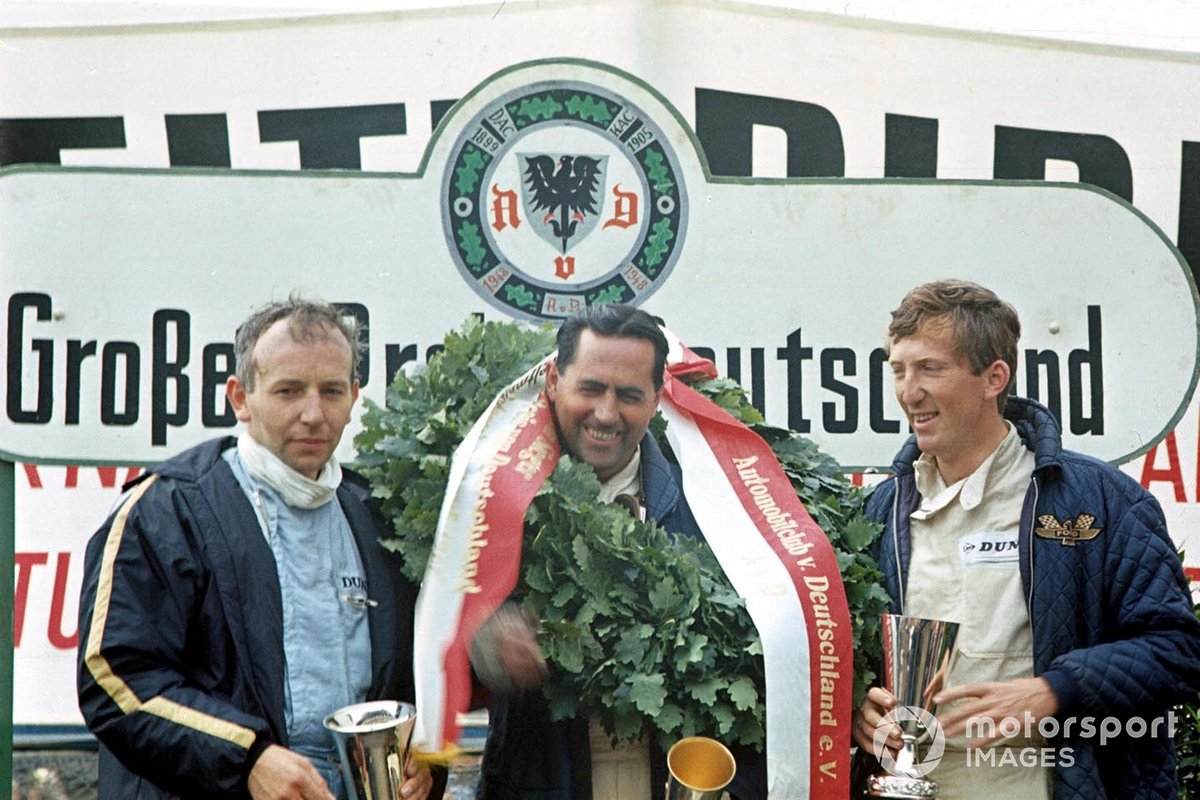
{"points": [[476, 557], [779, 559], [770, 548]]}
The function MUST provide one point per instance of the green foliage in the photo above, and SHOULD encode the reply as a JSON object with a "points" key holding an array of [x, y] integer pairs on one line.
{"points": [[471, 243], [520, 296], [640, 626], [1187, 750], [1187, 745], [635, 618], [404, 449], [656, 244], [533, 108], [466, 177], [614, 293], [589, 108], [656, 166]]}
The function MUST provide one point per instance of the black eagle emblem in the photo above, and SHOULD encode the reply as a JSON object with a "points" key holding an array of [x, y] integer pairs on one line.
{"points": [[566, 190]]}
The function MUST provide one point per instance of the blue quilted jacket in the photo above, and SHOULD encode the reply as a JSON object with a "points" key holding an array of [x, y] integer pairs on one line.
{"points": [[1114, 631]]}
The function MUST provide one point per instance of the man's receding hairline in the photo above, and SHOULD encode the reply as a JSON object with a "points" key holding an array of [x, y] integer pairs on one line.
{"points": [[308, 332]]}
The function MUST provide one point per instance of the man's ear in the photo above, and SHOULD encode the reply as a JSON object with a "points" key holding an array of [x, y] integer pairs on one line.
{"points": [[552, 381], [235, 391], [998, 376]]}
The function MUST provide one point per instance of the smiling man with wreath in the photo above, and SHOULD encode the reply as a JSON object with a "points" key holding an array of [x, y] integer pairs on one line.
{"points": [[649, 628], [604, 389]]}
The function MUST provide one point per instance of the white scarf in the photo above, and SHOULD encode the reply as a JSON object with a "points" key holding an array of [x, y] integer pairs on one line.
{"points": [[295, 489]]}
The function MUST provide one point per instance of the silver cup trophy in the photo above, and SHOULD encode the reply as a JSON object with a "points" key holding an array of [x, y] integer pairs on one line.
{"points": [[372, 741], [917, 655]]}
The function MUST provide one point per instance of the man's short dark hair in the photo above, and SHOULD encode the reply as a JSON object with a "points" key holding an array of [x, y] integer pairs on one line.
{"points": [[613, 320], [984, 328], [307, 321]]}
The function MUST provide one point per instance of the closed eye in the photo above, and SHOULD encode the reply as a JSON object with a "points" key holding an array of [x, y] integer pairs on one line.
{"points": [[592, 387]]}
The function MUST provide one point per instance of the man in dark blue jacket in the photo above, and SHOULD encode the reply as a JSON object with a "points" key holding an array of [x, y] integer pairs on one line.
{"points": [[1077, 633], [239, 594]]}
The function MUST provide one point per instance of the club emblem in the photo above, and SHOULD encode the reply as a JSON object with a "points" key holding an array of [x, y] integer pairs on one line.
{"points": [[561, 195], [567, 187], [1069, 533]]}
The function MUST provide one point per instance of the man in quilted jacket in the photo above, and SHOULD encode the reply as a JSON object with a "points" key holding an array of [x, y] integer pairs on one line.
{"points": [[1077, 633]]}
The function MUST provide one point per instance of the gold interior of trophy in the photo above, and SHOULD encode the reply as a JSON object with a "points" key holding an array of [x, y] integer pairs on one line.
{"points": [[701, 763]]}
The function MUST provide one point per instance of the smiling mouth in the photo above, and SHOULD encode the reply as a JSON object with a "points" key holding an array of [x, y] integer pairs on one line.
{"points": [[920, 418], [601, 436]]}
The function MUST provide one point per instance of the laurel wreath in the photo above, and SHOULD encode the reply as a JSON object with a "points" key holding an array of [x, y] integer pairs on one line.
{"points": [[640, 627]]}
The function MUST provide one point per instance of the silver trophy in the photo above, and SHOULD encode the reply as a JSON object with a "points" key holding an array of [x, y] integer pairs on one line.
{"points": [[916, 656], [372, 741]]}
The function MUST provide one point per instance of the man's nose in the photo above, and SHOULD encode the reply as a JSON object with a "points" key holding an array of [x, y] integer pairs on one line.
{"points": [[312, 412], [605, 409], [908, 390]]}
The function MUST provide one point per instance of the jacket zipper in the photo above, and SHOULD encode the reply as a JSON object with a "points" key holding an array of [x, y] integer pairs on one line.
{"points": [[1029, 594], [900, 578]]}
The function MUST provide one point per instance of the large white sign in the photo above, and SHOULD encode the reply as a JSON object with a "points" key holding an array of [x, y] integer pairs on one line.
{"points": [[1111, 348], [770, 95]]}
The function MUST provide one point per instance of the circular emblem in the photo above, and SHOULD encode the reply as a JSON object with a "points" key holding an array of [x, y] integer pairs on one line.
{"points": [[562, 195]]}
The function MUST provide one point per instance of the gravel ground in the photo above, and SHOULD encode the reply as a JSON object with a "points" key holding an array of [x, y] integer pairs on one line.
{"points": [[54, 775], [71, 775]]}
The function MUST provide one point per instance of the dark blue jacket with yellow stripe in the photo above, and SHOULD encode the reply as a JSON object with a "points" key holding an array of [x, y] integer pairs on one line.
{"points": [[181, 663], [1114, 631]]}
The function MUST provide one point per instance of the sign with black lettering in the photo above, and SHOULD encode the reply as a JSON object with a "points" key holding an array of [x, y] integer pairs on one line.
{"points": [[121, 312], [123, 336]]}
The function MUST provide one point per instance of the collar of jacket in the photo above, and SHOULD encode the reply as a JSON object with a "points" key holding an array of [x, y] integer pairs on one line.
{"points": [[659, 487], [251, 596], [1037, 427]]}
